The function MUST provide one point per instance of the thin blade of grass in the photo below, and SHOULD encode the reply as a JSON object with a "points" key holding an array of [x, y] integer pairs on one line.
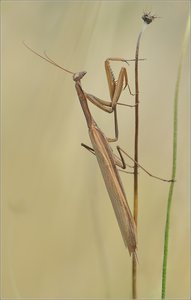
{"points": [[175, 133]]}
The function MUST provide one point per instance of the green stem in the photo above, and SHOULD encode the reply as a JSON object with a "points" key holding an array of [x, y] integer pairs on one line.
{"points": [[175, 131]]}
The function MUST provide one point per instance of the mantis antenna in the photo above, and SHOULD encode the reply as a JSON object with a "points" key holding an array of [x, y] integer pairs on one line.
{"points": [[48, 59]]}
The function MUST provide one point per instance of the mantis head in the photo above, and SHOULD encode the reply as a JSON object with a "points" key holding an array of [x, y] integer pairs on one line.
{"points": [[79, 75]]}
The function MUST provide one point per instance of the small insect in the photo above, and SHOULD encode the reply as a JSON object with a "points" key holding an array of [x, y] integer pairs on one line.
{"points": [[148, 18]]}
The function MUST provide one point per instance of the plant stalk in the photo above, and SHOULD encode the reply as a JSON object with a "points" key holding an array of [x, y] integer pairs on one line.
{"points": [[136, 146], [175, 132]]}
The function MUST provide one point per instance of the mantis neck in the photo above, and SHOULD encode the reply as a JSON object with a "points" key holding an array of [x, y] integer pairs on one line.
{"points": [[84, 104]]}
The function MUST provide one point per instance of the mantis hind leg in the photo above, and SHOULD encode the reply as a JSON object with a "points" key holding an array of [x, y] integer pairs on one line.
{"points": [[120, 151], [118, 161]]}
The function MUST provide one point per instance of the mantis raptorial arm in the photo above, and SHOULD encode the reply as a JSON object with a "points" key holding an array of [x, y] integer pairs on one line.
{"points": [[115, 87]]}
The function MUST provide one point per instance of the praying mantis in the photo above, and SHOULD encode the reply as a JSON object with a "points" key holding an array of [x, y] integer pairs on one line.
{"points": [[108, 163], [107, 160]]}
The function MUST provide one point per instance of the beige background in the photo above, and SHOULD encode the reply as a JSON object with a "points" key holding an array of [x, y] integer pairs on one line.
{"points": [[59, 234]]}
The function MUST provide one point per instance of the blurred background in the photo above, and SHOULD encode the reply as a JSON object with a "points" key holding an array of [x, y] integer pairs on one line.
{"points": [[60, 238]]}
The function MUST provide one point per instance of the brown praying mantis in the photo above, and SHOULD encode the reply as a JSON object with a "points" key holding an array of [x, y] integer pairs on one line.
{"points": [[108, 163], [107, 160]]}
